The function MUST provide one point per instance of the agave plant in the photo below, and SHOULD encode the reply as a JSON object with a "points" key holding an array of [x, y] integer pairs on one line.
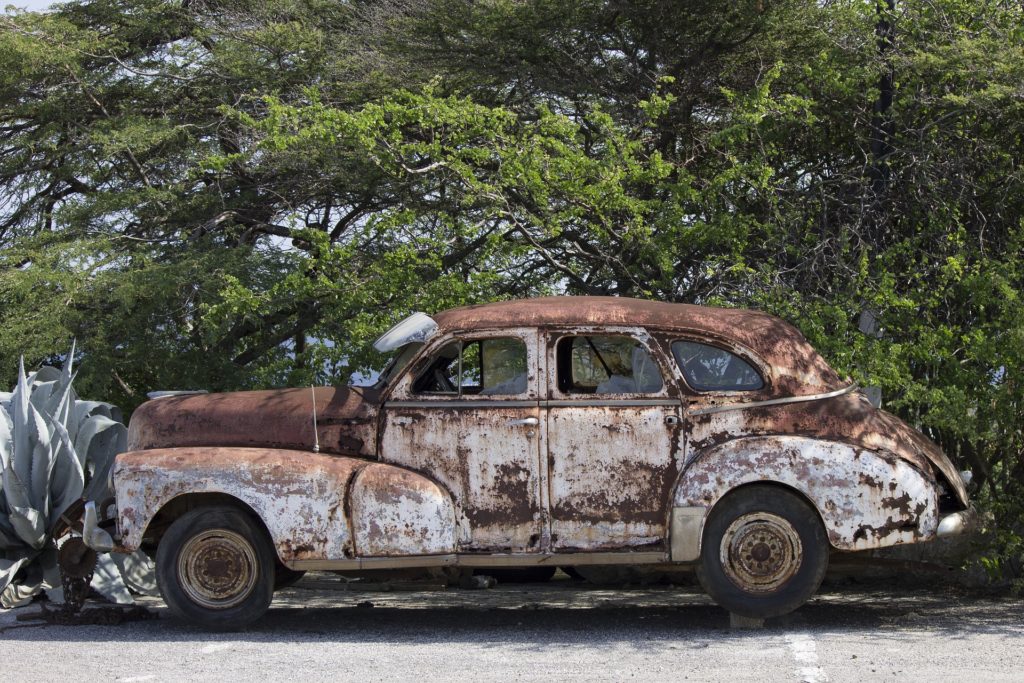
{"points": [[54, 450]]}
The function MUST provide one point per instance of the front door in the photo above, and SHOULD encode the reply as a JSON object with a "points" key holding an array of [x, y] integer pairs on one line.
{"points": [[468, 415], [614, 425]]}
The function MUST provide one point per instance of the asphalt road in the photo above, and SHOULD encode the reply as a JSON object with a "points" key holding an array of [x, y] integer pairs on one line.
{"points": [[558, 631]]}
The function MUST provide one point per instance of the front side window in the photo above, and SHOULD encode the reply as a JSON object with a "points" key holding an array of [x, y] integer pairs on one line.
{"points": [[603, 364], [481, 367], [709, 368]]}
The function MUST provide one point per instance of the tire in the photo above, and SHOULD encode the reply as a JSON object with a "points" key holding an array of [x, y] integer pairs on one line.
{"points": [[215, 568], [764, 552], [285, 576]]}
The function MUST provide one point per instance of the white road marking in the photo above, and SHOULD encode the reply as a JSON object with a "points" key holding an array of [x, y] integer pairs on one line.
{"points": [[216, 647], [805, 652]]}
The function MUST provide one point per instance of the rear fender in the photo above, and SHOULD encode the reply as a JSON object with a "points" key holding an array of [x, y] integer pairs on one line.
{"points": [[866, 499]]}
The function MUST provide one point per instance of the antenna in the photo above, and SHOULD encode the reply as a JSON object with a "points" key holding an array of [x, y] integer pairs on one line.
{"points": [[316, 433]]}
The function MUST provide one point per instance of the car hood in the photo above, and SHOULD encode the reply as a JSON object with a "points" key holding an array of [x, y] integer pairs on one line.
{"points": [[283, 418]]}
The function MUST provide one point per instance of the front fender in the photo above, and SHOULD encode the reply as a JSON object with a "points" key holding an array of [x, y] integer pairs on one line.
{"points": [[314, 506], [866, 499]]}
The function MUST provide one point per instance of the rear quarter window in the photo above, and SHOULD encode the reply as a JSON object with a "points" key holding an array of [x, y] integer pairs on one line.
{"points": [[709, 368]]}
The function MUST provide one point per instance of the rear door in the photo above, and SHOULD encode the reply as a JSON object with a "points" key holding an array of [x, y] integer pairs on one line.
{"points": [[613, 439]]}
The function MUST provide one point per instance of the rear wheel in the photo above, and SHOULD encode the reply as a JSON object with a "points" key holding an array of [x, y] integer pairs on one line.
{"points": [[215, 568], [764, 552]]}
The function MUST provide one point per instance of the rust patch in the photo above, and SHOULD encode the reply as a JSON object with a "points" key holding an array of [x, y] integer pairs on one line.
{"points": [[346, 419]]}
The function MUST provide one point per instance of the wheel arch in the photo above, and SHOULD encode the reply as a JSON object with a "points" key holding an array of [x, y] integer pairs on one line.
{"points": [[766, 483], [177, 506]]}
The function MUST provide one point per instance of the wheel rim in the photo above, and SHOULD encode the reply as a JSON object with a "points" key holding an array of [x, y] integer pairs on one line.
{"points": [[760, 552], [217, 568]]}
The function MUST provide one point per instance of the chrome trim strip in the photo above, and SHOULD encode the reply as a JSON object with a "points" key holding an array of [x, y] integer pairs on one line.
{"points": [[569, 403], [771, 402], [457, 404], [517, 403], [484, 560]]}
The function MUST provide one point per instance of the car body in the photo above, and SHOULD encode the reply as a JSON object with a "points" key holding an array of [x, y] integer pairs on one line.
{"points": [[559, 431]]}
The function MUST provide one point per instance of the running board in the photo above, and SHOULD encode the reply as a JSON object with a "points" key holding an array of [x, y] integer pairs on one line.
{"points": [[467, 560]]}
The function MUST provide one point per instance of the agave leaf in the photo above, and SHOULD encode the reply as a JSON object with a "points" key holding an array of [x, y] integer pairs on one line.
{"points": [[9, 567], [30, 525], [8, 538], [26, 521], [66, 466], [101, 439], [59, 402], [86, 409], [22, 424], [69, 363], [138, 572], [6, 438], [68, 475], [21, 593], [52, 584], [67, 488], [44, 375], [41, 466], [40, 391], [108, 582], [54, 417], [31, 451]]}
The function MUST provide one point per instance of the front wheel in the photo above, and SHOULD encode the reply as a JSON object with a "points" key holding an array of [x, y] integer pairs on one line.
{"points": [[764, 552], [215, 568]]}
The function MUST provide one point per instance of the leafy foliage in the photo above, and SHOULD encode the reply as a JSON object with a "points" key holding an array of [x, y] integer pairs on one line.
{"points": [[244, 193]]}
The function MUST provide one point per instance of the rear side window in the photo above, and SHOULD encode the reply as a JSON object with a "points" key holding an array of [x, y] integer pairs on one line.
{"points": [[598, 364], [709, 368]]}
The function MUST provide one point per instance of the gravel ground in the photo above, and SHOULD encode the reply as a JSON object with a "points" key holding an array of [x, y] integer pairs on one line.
{"points": [[319, 630]]}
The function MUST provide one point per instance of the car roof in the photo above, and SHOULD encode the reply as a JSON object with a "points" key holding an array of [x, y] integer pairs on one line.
{"points": [[771, 338]]}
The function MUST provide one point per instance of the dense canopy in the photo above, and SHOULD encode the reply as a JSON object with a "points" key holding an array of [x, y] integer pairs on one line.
{"points": [[243, 193]]}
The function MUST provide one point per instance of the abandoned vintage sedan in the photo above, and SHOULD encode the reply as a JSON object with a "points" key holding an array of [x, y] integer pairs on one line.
{"points": [[562, 432]]}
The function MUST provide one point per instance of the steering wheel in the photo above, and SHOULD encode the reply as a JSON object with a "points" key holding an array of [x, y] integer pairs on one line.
{"points": [[443, 383]]}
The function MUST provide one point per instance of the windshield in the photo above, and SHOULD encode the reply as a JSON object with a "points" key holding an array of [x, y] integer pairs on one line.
{"points": [[418, 327], [397, 363]]}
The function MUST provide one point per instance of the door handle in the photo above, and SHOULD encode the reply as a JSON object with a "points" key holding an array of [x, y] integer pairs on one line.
{"points": [[525, 422], [671, 419]]}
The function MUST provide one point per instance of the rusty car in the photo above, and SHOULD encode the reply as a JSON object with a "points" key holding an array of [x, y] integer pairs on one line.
{"points": [[559, 431]]}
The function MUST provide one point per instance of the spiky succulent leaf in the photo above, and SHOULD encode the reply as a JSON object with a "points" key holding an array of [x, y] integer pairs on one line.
{"points": [[106, 579], [19, 507], [68, 487], [100, 439], [6, 438], [138, 572], [10, 566], [51, 443], [19, 593]]}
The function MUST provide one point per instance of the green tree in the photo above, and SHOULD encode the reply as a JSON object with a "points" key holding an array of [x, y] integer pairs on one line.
{"points": [[243, 193]]}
